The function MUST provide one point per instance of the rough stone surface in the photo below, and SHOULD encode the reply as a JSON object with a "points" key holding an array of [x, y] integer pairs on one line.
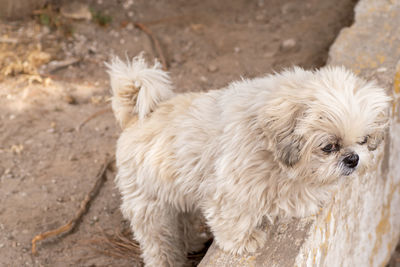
{"points": [[361, 225]]}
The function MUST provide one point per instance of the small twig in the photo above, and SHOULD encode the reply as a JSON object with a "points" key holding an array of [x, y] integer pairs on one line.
{"points": [[68, 227], [91, 117], [156, 43], [171, 19]]}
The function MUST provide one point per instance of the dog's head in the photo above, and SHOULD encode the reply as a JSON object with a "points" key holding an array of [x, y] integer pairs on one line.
{"points": [[325, 124]]}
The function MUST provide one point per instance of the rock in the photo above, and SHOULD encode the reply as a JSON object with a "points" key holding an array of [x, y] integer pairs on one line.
{"points": [[18, 9], [56, 65], [361, 225], [76, 10]]}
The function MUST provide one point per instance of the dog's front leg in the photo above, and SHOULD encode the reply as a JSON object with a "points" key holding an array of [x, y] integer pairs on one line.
{"points": [[235, 227], [193, 239], [156, 227]]}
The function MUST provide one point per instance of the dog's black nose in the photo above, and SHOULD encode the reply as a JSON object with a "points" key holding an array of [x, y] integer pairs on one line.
{"points": [[351, 160]]}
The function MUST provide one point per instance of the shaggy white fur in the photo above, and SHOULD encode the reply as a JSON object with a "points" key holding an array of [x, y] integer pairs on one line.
{"points": [[266, 147]]}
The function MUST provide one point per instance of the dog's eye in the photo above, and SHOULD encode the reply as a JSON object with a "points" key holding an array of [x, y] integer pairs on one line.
{"points": [[330, 148], [364, 141]]}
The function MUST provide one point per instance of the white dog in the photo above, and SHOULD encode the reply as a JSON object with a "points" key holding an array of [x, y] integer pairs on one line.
{"points": [[266, 147]]}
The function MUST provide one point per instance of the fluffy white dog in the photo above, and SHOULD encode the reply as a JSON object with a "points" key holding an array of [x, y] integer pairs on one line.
{"points": [[266, 147]]}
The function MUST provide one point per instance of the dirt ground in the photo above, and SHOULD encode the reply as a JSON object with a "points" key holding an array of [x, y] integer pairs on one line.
{"points": [[47, 166]]}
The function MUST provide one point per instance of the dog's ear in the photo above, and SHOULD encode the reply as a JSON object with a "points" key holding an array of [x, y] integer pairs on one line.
{"points": [[374, 140], [381, 124], [279, 120]]}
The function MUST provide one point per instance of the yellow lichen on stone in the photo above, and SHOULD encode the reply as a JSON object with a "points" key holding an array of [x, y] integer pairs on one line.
{"points": [[384, 225], [381, 58], [396, 83], [396, 91]]}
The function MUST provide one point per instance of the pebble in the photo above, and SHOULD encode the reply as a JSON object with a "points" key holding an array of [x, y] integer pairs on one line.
{"points": [[127, 4], [70, 99], [236, 49], [1, 245], [130, 26], [114, 33], [212, 68], [203, 79], [288, 44]]}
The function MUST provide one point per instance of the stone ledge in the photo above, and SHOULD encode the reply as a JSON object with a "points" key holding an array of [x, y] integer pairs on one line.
{"points": [[361, 225]]}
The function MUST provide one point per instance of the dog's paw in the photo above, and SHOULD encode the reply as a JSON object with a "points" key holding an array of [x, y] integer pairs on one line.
{"points": [[254, 241], [249, 244]]}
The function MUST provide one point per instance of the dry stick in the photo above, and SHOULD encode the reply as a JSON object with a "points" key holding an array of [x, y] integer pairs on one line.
{"points": [[91, 117], [68, 227], [156, 43]]}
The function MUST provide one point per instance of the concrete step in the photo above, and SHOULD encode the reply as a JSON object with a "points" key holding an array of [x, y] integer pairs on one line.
{"points": [[361, 226]]}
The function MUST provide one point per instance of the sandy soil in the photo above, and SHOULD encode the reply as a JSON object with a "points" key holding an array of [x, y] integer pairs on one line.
{"points": [[47, 166]]}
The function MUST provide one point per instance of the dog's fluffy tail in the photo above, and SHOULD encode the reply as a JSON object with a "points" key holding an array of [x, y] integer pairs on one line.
{"points": [[137, 88]]}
